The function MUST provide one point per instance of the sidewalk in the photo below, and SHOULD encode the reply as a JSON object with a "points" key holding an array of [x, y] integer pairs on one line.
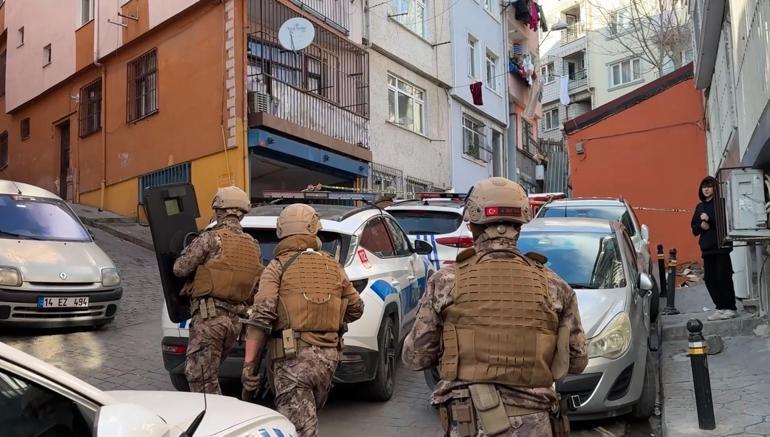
{"points": [[124, 228], [740, 376]]}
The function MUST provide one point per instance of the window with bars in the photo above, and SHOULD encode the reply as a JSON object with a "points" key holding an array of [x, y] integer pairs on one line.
{"points": [[3, 150], [143, 86], [24, 128], [90, 114]]}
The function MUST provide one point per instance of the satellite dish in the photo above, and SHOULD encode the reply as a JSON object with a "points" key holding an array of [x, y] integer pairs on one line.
{"points": [[296, 34]]}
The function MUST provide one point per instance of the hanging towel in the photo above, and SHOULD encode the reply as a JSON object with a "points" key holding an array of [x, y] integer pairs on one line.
{"points": [[476, 93], [564, 90], [533, 15]]}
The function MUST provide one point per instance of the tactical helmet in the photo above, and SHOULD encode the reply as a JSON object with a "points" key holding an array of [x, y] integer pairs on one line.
{"points": [[298, 219], [231, 197], [497, 200]]}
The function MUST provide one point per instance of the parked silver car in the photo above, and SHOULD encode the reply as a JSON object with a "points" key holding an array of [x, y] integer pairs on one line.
{"points": [[52, 274], [597, 258]]}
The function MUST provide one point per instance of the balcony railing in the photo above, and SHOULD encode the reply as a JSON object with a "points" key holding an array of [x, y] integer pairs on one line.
{"points": [[579, 79], [333, 12], [573, 32], [324, 87]]}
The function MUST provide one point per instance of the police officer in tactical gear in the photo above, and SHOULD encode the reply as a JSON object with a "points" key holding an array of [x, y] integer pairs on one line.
{"points": [[227, 264], [501, 327], [304, 301]]}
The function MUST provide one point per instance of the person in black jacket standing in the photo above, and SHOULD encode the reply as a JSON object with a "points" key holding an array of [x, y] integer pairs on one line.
{"points": [[717, 266]]}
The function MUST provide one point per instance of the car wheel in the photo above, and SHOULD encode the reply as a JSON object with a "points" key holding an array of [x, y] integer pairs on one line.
{"points": [[646, 405], [381, 388], [179, 381], [432, 377], [654, 300]]}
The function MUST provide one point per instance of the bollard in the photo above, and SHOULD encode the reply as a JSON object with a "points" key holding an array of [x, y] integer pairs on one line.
{"points": [[662, 284], [670, 308], [700, 375]]}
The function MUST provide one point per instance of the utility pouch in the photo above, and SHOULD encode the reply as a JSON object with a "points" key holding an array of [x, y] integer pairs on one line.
{"points": [[289, 343]]}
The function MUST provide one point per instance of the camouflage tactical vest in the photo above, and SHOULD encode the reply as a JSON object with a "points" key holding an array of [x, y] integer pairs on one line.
{"points": [[501, 327], [231, 277], [310, 293]]}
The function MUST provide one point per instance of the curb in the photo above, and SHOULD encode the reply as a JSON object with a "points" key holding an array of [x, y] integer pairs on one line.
{"points": [[100, 224], [725, 328]]}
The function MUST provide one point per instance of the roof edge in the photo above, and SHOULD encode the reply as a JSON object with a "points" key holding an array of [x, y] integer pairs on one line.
{"points": [[628, 100]]}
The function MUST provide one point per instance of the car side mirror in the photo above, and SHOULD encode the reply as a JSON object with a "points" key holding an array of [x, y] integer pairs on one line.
{"points": [[645, 282], [422, 247], [645, 233]]}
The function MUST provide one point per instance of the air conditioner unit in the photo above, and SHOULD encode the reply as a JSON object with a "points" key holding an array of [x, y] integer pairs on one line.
{"points": [[258, 102], [742, 205]]}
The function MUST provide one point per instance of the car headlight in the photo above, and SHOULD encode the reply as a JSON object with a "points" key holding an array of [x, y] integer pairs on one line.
{"points": [[110, 277], [614, 339], [10, 276]]}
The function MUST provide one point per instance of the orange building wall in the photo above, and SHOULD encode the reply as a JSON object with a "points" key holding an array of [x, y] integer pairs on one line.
{"points": [[187, 126], [659, 168]]}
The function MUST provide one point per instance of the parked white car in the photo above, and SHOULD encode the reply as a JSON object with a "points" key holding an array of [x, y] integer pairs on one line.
{"points": [[52, 273], [41, 400], [388, 271], [438, 221]]}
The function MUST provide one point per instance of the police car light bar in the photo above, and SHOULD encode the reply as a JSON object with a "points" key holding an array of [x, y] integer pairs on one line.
{"points": [[438, 195], [320, 195]]}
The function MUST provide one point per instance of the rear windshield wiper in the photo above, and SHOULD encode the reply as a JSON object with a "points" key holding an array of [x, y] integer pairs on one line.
{"points": [[584, 286], [14, 235]]}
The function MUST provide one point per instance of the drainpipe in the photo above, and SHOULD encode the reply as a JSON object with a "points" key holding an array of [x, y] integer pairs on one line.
{"points": [[103, 187]]}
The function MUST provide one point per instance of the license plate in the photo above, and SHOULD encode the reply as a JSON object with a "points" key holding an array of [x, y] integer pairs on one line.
{"points": [[62, 302]]}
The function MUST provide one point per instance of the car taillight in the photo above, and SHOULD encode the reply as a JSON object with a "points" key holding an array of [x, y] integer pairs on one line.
{"points": [[174, 349], [360, 284], [463, 242]]}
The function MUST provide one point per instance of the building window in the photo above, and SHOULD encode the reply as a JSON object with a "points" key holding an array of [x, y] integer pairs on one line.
{"points": [[619, 21], [3, 150], [143, 86], [410, 13], [624, 72], [86, 11], [90, 113], [488, 5], [474, 140], [547, 73], [472, 44], [21, 36], [491, 71], [24, 128], [46, 55], [551, 119], [406, 105], [2, 73], [314, 76]]}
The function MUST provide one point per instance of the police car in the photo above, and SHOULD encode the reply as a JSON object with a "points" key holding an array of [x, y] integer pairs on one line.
{"points": [[387, 269], [436, 218]]}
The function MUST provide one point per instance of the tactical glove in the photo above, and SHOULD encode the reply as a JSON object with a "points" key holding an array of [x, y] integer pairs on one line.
{"points": [[250, 381]]}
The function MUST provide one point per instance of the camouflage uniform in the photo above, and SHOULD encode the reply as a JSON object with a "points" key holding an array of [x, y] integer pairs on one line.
{"points": [[422, 347], [210, 339], [301, 384]]}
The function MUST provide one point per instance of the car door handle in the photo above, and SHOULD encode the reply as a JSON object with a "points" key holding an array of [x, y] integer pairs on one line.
{"points": [[394, 283], [411, 277]]}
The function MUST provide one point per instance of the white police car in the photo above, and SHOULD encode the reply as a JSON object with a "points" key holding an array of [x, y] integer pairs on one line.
{"points": [[436, 218], [388, 271], [40, 400]]}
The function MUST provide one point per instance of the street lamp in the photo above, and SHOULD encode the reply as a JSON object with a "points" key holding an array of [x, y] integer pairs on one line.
{"points": [[558, 26]]}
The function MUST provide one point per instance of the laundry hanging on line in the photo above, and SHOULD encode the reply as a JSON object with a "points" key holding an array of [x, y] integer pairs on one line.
{"points": [[476, 93]]}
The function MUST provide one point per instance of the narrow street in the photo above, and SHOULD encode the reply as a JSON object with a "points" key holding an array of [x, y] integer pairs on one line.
{"points": [[125, 355]]}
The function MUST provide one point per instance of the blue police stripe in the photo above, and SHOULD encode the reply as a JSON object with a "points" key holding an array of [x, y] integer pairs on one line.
{"points": [[436, 260], [382, 288], [182, 324], [278, 432], [264, 433]]}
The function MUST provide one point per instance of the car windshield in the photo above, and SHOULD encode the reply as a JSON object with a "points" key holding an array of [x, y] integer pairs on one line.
{"points": [[416, 222], [330, 242], [616, 213], [582, 259], [30, 218]]}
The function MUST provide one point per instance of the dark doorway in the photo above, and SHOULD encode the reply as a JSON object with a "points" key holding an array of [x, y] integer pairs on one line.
{"points": [[64, 157]]}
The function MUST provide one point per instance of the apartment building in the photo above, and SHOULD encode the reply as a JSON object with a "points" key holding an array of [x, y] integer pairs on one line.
{"points": [[104, 98], [410, 77], [731, 44]]}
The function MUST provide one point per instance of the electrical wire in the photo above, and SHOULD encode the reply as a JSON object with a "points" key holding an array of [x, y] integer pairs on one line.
{"points": [[424, 20]]}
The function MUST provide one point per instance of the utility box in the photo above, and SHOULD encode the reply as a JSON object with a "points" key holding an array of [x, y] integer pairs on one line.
{"points": [[741, 205]]}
